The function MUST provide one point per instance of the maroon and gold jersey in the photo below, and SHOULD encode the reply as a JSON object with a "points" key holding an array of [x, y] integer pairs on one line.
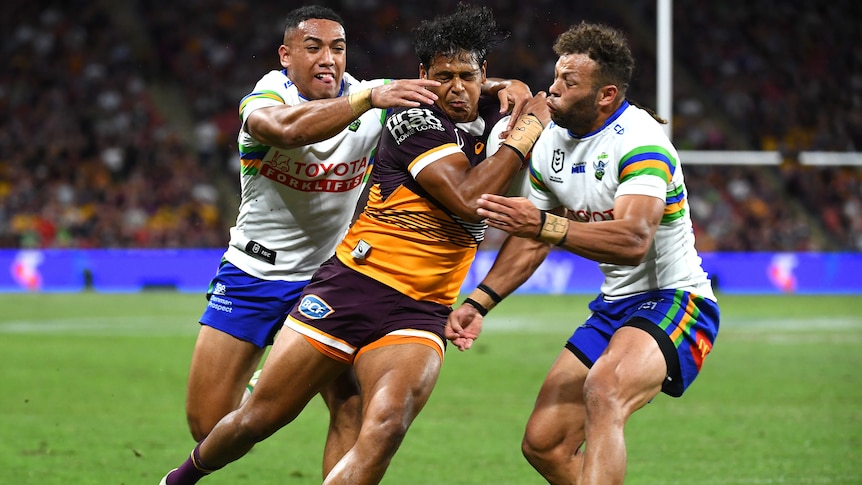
{"points": [[404, 238]]}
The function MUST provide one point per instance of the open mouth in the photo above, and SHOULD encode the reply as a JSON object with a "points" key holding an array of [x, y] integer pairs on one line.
{"points": [[327, 77]]}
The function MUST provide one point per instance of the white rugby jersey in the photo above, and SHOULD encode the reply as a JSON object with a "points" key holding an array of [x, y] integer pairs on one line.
{"points": [[298, 203], [630, 154]]}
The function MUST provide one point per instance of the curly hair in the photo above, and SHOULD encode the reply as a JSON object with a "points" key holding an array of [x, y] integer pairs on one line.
{"points": [[470, 29], [603, 44]]}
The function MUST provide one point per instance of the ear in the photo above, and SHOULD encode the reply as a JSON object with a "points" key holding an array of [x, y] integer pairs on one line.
{"points": [[284, 56], [484, 71], [423, 74], [607, 95]]}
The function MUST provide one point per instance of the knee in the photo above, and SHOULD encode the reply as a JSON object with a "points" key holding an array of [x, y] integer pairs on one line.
{"points": [[539, 449], [602, 396], [251, 427], [533, 452], [387, 431], [200, 425]]}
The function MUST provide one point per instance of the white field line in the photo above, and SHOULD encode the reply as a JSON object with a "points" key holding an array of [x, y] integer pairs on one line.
{"points": [[147, 326], [775, 329]]}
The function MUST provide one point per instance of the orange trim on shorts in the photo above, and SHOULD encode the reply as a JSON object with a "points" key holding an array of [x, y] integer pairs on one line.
{"points": [[330, 352], [417, 337], [325, 343]]}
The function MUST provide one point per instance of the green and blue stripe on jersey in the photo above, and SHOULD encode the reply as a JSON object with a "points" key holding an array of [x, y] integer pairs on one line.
{"points": [[656, 161], [251, 156]]}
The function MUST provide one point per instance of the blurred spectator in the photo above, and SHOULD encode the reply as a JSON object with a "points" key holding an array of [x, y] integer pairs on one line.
{"points": [[94, 155]]}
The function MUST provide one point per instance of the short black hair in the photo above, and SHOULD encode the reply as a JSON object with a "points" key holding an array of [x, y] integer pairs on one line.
{"points": [[301, 14], [471, 29]]}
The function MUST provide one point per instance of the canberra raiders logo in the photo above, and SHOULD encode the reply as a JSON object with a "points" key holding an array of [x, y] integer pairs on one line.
{"points": [[599, 165]]}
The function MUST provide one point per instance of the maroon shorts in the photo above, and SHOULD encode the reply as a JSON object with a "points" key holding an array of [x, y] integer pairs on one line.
{"points": [[344, 313]]}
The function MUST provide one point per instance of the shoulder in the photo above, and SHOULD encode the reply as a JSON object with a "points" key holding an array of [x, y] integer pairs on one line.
{"points": [[274, 80], [351, 84], [423, 121], [273, 89], [637, 123]]}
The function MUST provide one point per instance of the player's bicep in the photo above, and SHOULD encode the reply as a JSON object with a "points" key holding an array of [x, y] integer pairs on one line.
{"points": [[262, 125], [642, 212], [443, 178]]}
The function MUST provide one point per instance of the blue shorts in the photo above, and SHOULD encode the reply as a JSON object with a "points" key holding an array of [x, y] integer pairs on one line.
{"points": [[684, 325], [248, 307]]}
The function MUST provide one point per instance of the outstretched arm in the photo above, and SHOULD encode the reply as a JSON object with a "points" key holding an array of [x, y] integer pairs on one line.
{"points": [[625, 239], [517, 260], [316, 120]]}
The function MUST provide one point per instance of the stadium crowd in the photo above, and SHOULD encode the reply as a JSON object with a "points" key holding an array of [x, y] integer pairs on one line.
{"points": [[121, 123]]}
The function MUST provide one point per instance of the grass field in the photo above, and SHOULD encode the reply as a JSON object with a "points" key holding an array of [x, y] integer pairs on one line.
{"points": [[93, 390]]}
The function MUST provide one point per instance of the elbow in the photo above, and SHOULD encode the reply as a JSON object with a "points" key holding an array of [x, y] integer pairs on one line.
{"points": [[467, 211], [470, 216], [293, 138], [633, 252]]}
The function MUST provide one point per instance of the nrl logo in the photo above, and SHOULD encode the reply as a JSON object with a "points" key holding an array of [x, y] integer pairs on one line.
{"points": [[558, 161], [354, 126]]}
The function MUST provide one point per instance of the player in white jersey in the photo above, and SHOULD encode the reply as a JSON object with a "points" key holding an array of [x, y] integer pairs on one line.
{"points": [[604, 183], [307, 143]]}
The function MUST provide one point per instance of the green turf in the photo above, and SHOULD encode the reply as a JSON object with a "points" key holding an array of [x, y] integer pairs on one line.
{"points": [[93, 388]]}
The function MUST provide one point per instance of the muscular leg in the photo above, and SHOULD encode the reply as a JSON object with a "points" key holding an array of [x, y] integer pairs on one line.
{"points": [[345, 417], [555, 431], [629, 373], [396, 381], [292, 374], [220, 369]]}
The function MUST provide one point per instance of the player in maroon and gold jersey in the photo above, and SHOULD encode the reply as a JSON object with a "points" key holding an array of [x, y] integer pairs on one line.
{"points": [[381, 303]]}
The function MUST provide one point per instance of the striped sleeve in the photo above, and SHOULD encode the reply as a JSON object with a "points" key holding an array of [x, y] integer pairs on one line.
{"points": [[257, 96], [647, 160]]}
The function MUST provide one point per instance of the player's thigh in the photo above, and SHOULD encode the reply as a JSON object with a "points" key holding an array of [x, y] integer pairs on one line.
{"points": [[632, 369], [559, 412], [220, 368], [293, 373], [397, 379]]}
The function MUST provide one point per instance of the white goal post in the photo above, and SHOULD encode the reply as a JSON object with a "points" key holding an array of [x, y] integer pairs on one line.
{"points": [[771, 157]]}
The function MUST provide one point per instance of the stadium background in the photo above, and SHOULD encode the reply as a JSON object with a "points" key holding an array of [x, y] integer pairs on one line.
{"points": [[122, 116], [118, 141]]}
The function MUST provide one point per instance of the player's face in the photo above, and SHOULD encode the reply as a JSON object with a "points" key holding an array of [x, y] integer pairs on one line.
{"points": [[314, 55], [573, 98], [461, 78]]}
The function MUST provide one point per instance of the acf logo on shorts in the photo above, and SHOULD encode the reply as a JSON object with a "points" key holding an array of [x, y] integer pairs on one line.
{"points": [[314, 307]]}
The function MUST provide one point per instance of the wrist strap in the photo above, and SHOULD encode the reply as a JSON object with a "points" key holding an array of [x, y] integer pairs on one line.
{"points": [[525, 133], [360, 102], [488, 291], [553, 228], [475, 304]]}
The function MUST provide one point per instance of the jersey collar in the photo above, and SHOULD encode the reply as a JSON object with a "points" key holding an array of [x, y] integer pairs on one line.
{"points": [[607, 122]]}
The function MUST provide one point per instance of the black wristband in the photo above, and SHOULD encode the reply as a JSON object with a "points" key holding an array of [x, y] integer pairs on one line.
{"points": [[491, 293], [562, 241], [544, 217], [475, 304]]}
